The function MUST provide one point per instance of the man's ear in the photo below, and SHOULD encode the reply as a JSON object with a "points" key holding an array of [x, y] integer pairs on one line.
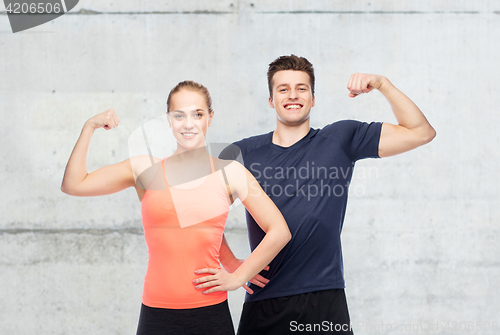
{"points": [[313, 101], [271, 104]]}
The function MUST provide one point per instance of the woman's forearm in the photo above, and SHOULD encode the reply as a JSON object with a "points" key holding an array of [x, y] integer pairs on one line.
{"points": [[272, 243], [76, 169]]}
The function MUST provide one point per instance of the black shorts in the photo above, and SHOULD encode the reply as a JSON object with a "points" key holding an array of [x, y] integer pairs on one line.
{"points": [[215, 319], [320, 312]]}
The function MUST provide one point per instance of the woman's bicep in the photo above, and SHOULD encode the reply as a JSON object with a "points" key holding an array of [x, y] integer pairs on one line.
{"points": [[106, 180]]}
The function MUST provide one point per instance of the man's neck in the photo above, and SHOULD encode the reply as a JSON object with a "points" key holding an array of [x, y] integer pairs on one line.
{"points": [[286, 136]]}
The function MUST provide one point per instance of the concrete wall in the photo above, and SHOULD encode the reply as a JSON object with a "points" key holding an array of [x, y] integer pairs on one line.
{"points": [[421, 237]]}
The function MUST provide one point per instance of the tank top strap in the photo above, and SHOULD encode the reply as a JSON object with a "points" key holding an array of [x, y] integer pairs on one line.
{"points": [[212, 164], [163, 168]]}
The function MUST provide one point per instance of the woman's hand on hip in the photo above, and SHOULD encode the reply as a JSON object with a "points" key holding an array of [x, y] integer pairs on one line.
{"points": [[219, 280]]}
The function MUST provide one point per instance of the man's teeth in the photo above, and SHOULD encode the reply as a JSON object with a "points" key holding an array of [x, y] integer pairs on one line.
{"points": [[293, 106], [188, 134]]}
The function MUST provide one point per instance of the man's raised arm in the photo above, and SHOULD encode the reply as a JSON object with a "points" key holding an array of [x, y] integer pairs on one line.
{"points": [[413, 129]]}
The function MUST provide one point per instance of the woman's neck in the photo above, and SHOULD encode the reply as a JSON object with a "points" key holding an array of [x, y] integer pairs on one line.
{"points": [[181, 155]]}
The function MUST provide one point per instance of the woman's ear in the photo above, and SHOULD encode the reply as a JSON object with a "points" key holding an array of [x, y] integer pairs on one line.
{"points": [[211, 117], [168, 119]]}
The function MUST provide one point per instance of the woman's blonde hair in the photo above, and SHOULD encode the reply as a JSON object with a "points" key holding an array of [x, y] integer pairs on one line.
{"points": [[192, 86]]}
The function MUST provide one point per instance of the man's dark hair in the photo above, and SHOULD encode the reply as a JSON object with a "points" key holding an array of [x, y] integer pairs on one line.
{"points": [[291, 62]]}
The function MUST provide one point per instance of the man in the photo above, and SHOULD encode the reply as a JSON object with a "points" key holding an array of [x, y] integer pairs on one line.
{"points": [[307, 172]]}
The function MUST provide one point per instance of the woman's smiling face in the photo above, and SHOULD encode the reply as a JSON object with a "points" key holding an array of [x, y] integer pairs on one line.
{"points": [[189, 118]]}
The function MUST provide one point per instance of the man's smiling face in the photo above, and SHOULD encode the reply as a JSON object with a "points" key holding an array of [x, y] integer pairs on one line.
{"points": [[292, 97]]}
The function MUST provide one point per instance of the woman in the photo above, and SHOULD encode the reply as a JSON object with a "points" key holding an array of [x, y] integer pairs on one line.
{"points": [[184, 202]]}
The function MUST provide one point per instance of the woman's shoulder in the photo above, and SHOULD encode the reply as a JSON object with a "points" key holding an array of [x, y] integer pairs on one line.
{"points": [[144, 168], [228, 166]]}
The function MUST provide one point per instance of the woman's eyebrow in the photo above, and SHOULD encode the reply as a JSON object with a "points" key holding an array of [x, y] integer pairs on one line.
{"points": [[183, 112]]}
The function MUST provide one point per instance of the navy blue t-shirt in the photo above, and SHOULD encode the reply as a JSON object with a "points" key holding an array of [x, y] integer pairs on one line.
{"points": [[308, 182]]}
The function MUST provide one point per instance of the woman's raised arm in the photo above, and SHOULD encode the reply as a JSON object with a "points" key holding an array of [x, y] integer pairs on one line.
{"points": [[106, 180]]}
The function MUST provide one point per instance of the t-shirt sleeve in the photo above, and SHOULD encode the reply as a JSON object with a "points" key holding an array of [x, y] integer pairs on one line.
{"points": [[365, 140], [359, 139]]}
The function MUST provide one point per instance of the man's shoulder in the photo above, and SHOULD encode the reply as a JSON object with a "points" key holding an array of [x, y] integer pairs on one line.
{"points": [[357, 138], [253, 142], [348, 129], [340, 126], [245, 146]]}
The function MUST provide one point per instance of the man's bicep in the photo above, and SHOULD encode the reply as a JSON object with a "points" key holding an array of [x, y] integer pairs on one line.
{"points": [[395, 139]]}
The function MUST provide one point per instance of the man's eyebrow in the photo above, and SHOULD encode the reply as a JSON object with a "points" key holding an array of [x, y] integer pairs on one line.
{"points": [[178, 111], [299, 84]]}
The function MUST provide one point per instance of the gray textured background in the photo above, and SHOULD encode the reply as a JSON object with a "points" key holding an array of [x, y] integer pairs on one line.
{"points": [[421, 237]]}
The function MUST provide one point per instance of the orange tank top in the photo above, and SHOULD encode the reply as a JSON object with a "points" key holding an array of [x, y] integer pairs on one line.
{"points": [[183, 229]]}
